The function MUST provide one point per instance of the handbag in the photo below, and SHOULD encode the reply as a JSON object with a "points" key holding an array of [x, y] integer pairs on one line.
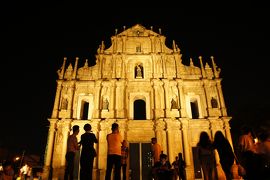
{"points": [[237, 169], [241, 170], [220, 172]]}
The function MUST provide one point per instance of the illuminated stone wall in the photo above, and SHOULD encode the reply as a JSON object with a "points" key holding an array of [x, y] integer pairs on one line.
{"points": [[179, 101]]}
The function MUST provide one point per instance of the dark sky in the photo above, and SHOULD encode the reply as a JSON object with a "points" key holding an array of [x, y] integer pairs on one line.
{"points": [[35, 38]]}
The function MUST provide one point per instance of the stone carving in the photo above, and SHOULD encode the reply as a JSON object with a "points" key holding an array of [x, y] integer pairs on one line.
{"points": [[105, 104], [68, 73], [64, 104], [139, 71], [214, 103], [174, 104]]}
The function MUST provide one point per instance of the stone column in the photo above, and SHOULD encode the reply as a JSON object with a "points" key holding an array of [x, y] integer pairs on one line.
{"points": [[182, 99], [60, 148], [124, 44], [102, 147], [158, 98], [221, 98], [174, 138], [66, 131], [184, 123], [95, 129], [71, 95], [167, 100], [96, 111], [119, 101], [57, 99], [112, 98], [161, 134], [152, 43], [227, 129], [49, 149]]}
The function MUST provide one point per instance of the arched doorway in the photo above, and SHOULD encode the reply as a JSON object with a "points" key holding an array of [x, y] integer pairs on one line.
{"points": [[139, 110]]}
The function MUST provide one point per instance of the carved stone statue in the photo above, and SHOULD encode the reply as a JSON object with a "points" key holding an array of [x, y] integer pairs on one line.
{"points": [[214, 103], [64, 104], [138, 71], [105, 104], [173, 104]]}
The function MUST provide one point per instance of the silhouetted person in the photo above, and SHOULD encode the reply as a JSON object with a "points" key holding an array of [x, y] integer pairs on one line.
{"points": [[162, 168], [72, 147], [181, 166], [114, 141], [8, 171], [247, 152], [124, 156], [225, 152], [88, 153], [207, 157], [262, 156], [175, 165]]}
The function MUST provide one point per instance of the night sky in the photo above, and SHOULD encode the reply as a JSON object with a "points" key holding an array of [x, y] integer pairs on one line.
{"points": [[36, 38]]}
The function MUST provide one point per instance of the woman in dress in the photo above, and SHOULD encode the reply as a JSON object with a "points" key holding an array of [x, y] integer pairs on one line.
{"points": [[207, 157]]}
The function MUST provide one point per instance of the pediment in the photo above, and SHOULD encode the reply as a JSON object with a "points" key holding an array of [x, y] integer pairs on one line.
{"points": [[138, 30]]}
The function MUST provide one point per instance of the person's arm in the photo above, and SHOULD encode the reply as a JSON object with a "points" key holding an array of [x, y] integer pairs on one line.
{"points": [[75, 144]]}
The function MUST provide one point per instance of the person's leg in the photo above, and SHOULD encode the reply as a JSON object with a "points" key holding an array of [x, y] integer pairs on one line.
{"points": [[91, 161], [117, 163], [109, 167], [72, 166], [124, 166], [83, 168], [69, 166]]}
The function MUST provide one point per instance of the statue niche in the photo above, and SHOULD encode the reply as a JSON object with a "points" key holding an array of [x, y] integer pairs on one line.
{"points": [[105, 105], [64, 104], [214, 103], [139, 71], [174, 104]]}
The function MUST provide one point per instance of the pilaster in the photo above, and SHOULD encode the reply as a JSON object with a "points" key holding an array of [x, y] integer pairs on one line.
{"points": [[221, 98], [182, 99], [49, 149], [57, 99], [174, 138], [227, 129], [119, 101], [161, 134], [96, 111]]}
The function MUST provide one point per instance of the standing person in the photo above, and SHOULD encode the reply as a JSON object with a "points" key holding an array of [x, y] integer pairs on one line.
{"points": [[24, 171], [207, 156], [225, 152], [72, 147], [156, 150], [8, 171], [247, 152], [263, 155], [181, 167], [175, 165], [88, 153], [114, 141], [162, 169], [124, 156]]}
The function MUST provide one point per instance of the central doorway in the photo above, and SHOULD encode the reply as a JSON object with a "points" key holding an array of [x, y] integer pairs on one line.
{"points": [[140, 161]]}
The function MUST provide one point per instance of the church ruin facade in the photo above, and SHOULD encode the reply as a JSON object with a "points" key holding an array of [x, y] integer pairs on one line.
{"points": [[141, 84]]}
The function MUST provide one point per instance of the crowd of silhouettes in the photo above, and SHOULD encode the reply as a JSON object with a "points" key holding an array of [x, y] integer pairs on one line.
{"points": [[253, 155]]}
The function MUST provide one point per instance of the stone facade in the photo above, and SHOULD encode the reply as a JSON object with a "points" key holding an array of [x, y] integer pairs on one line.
{"points": [[142, 85]]}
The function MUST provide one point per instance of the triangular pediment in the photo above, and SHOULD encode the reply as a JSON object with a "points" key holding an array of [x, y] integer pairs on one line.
{"points": [[138, 30]]}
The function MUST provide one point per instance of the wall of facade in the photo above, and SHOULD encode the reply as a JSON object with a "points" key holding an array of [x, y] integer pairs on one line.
{"points": [[178, 101]]}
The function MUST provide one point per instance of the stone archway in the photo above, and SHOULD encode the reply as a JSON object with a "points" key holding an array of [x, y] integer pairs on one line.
{"points": [[139, 109]]}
